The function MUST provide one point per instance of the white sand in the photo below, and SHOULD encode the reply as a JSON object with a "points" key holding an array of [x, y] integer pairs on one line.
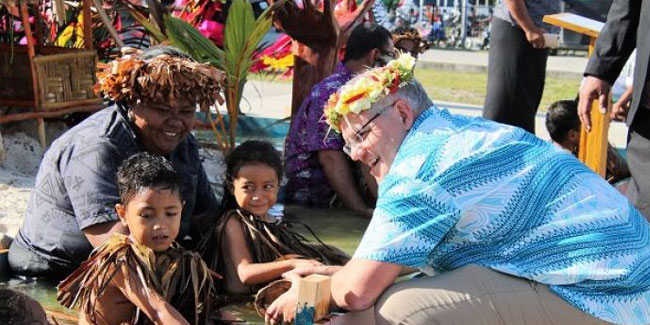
{"points": [[17, 173], [18, 170]]}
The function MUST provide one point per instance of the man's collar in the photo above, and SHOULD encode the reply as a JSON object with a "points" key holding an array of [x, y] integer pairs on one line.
{"points": [[425, 114]]}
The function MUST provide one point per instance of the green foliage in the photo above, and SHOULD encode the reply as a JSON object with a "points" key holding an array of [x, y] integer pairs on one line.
{"points": [[184, 36], [148, 25], [242, 35]]}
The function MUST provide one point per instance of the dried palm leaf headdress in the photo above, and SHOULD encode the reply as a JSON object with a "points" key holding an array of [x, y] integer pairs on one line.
{"points": [[160, 79], [410, 34]]}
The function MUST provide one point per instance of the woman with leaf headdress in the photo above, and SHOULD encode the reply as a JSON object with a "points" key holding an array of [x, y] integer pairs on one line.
{"points": [[156, 94]]}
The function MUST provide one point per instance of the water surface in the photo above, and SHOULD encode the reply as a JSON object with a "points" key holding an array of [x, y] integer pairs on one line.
{"points": [[337, 227]]}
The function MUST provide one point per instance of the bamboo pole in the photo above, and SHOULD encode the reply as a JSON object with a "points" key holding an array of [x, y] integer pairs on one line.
{"points": [[38, 30], [88, 25], [59, 317], [24, 13], [47, 114], [593, 144]]}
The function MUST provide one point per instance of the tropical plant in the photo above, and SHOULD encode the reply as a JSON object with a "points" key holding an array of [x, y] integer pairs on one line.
{"points": [[242, 36]]}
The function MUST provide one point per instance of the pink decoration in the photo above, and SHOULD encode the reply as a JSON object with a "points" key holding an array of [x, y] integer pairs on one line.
{"points": [[212, 30]]}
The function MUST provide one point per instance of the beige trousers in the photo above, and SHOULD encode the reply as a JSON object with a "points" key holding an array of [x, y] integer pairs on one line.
{"points": [[475, 295]]}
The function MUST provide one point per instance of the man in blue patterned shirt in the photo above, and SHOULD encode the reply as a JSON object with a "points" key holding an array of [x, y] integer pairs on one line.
{"points": [[507, 228]]}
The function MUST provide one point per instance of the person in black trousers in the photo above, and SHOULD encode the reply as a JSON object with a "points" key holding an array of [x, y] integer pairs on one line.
{"points": [[517, 61]]}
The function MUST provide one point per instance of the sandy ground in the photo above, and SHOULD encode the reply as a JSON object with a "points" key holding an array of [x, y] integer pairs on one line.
{"points": [[22, 156], [17, 172]]}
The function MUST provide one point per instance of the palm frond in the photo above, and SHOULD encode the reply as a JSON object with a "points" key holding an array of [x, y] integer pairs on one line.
{"points": [[153, 30]]}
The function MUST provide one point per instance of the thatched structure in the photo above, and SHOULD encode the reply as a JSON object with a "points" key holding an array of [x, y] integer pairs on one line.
{"points": [[52, 81]]}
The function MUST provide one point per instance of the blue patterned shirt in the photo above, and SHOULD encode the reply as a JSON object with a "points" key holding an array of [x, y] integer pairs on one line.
{"points": [[469, 191]]}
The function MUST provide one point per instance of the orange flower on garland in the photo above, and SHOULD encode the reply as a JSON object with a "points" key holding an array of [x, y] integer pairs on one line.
{"points": [[366, 89]]}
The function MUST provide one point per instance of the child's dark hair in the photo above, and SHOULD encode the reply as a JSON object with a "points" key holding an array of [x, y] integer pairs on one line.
{"points": [[253, 152], [562, 117], [145, 170], [249, 153]]}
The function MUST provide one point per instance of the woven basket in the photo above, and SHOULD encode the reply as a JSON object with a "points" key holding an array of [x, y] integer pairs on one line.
{"points": [[66, 79]]}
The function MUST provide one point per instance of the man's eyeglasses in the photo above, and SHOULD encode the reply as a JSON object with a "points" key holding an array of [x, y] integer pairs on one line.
{"points": [[384, 57], [359, 135]]}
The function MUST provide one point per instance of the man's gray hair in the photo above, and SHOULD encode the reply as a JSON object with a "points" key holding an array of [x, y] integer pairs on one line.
{"points": [[413, 93]]}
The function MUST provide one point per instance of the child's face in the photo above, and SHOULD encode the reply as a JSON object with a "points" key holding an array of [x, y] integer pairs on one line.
{"points": [[256, 188], [153, 217]]}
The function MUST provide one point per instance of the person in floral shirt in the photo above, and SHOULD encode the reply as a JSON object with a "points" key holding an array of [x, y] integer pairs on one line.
{"points": [[317, 169]]}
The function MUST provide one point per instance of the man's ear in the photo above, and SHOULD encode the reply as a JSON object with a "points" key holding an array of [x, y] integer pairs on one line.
{"points": [[405, 113], [121, 212]]}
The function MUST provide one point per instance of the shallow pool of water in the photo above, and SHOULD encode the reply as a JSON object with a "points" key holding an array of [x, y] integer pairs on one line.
{"points": [[337, 227]]}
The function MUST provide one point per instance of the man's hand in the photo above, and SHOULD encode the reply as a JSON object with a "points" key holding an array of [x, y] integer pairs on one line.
{"points": [[535, 37], [592, 88], [341, 177], [307, 270], [283, 309]]}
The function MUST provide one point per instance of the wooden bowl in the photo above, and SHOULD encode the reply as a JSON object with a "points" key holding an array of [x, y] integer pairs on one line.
{"points": [[267, 295]]}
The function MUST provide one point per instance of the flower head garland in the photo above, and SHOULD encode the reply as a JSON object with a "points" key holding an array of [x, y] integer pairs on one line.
{"points": [[366, 89], [160, 79]]}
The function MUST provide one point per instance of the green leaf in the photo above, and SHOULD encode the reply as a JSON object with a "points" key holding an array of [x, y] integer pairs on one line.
{"points": [[153, 30], [239, 25], [184, 36]]}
